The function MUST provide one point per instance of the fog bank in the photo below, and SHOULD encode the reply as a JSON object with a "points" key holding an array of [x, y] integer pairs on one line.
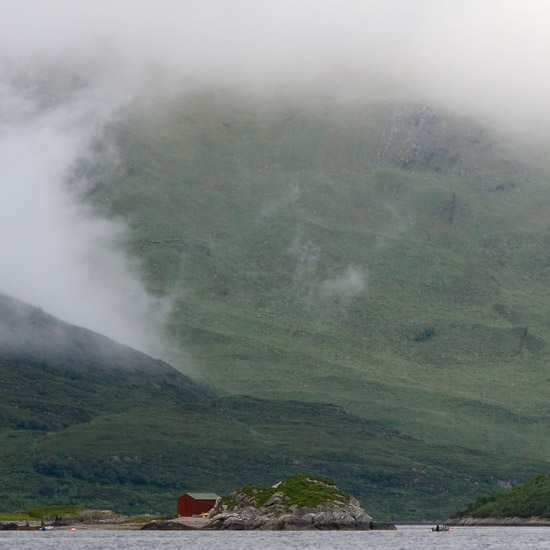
{"points": [[67, 68], [55, 252], [480, 56]]}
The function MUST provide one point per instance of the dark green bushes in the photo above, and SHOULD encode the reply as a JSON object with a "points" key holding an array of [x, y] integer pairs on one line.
{"points": [[528, 500]]}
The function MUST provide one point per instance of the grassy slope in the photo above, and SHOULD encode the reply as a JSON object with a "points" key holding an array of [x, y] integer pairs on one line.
{"points": [[528, 500], [382, 257], [86, 421], [142, 459]]}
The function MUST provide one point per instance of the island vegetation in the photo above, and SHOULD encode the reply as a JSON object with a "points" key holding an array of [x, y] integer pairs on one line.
{"points": [[526, 503], [300, 490]]}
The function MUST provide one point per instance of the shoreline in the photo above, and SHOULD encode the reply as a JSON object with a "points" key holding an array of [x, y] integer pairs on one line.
{"points": [[177, 524], [187, 524], [469, 521]]}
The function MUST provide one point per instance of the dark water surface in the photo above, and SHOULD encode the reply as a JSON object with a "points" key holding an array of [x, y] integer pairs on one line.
{"points": [[405, 538]]}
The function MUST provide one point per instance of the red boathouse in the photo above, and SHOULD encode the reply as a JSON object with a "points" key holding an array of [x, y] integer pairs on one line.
{"points": [[192, 504]]}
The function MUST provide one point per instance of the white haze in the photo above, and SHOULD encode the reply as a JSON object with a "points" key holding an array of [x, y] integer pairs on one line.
{"points": [[55, 253], [482, 57]]}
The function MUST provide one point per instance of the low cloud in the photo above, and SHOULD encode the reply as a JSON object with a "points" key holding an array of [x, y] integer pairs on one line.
{"points": [[67, 68], [345, 287], [328, 297], [56, 253], [482, 56]]}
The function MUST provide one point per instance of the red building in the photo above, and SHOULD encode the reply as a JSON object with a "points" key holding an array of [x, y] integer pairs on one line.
{"points": [[192, 504]]}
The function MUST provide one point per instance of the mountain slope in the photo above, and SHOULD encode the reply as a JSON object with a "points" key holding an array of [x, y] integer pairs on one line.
{"points": [[388, 258], [87, 421], [55, 374]]}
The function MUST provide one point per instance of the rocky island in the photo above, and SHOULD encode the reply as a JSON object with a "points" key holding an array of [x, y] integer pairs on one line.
{"points": [[299, 503]]}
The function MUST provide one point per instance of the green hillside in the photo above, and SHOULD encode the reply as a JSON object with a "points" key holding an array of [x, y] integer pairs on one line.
{"points": [[88, 422], [360, 286], [532, 499], [388, 258]]}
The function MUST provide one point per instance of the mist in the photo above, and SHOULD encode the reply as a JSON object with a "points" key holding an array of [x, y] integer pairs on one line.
{"points": [[56, 253], [482, 56], [68, 69]]}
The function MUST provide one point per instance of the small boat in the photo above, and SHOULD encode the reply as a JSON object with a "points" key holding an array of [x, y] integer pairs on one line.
{"points": [[439, 528]]}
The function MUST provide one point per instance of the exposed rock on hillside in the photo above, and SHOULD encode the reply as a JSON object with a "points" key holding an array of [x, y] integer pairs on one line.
{"points": [[299, 503]]}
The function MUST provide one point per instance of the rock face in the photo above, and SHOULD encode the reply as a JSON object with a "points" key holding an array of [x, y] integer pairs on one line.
{"points": [[323, 516], [273, 509]]}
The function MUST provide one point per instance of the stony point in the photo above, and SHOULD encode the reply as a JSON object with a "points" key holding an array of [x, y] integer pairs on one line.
{"points": [[300, 503]]}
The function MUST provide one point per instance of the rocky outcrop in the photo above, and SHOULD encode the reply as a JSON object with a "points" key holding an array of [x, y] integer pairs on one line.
{"points": [[277, 512], [167, 526], [275, 517]]}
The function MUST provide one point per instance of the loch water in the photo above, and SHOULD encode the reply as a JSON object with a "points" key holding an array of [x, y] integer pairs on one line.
{"points": [[405, 538]]}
